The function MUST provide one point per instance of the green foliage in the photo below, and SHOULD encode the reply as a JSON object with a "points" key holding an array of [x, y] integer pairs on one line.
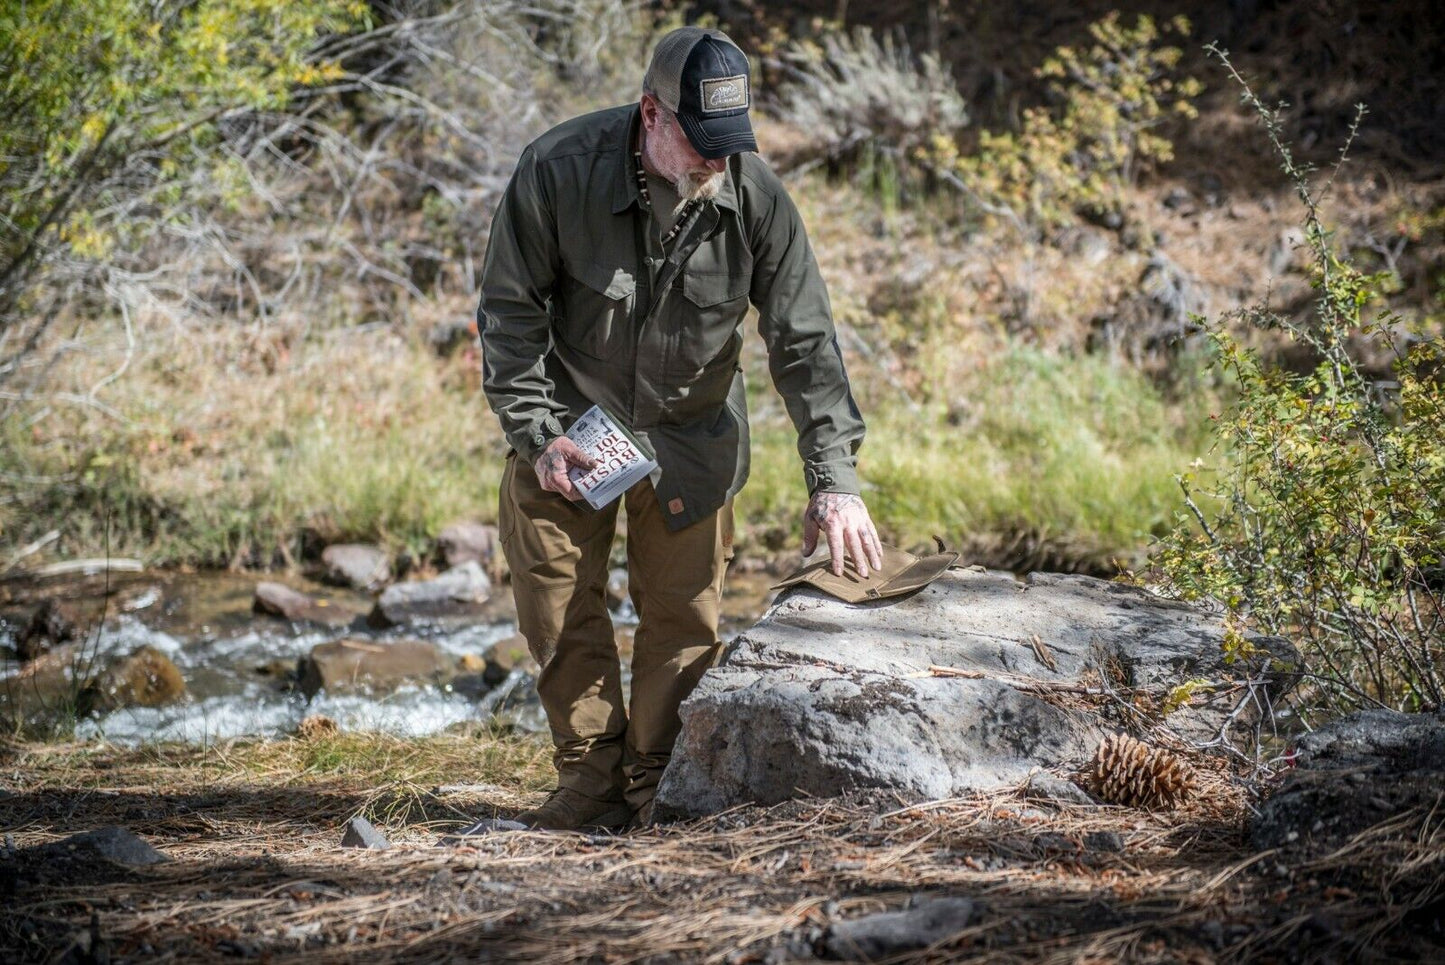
{"points": [[1330, 519], [1082, 153], [108, 103]]}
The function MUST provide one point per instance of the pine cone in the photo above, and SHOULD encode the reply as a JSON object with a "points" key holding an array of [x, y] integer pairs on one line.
{"points": [[1130, 772], [316, 727]]}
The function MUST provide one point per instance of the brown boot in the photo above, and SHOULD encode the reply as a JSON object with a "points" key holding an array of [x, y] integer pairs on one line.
{"points": [[569, 810], [641, 819]]}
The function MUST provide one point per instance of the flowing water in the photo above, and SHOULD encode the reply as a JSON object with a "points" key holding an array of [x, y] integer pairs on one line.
{"points": [[237, 665]]}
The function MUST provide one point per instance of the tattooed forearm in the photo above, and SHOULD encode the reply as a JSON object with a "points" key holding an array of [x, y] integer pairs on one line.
{"points": [[824, 505]]}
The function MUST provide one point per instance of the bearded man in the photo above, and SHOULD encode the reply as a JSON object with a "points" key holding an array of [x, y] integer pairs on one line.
{"points": [[622, 260]]}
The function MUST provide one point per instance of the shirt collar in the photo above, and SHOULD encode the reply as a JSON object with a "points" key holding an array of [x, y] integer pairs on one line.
{"points": [[624, 185]]}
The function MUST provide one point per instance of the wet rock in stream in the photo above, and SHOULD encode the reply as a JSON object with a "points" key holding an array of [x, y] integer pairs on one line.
{"points": [[350, 665], [469, 542], [459, 593], [144, 678], [53, 623], [278, 599], [356, 565]]}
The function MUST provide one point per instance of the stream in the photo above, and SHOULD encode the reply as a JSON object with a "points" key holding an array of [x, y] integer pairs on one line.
{"points": [[237, 664]]}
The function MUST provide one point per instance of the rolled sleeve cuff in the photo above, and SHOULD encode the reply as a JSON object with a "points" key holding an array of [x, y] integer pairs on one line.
{"points": [[832, 477]]}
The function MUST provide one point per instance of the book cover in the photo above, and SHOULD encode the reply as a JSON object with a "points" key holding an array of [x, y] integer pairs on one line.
{"points": [[620, 460]]}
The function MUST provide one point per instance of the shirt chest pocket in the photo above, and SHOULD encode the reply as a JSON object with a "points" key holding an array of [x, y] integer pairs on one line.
{"points": [[708, 319], [596, 306]]}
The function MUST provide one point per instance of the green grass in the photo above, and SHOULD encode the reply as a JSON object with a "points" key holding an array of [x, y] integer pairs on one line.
{"points": [[358, 440], [1076, 451]]}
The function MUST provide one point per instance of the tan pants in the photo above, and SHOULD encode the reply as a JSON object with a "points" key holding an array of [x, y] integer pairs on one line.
{"points": [[557, 551]]}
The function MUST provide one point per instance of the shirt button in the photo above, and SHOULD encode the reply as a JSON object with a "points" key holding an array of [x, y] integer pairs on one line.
{"points": [[538, 439]]}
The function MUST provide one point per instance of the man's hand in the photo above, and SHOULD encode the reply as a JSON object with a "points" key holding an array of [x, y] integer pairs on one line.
{"points": [[553, 464], [844, 520]]}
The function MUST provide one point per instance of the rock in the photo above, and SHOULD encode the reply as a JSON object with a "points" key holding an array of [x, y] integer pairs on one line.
{"points": [[1056, 790], [356, 565], [821, 697], [53, 623], [508, 655], [514, 703], [878, 936], [280, 600], [468, 542], [361, 833], [1111, 841], [145, 678], [457, 593], [1354, 773], [617, 588], [114, 844], [348, 665]]}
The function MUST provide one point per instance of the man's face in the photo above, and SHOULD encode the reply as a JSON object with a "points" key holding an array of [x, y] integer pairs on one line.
{"points": [[667, 152]]}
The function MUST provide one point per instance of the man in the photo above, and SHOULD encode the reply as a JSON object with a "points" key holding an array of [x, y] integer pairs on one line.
{"points": [[622, 259]]}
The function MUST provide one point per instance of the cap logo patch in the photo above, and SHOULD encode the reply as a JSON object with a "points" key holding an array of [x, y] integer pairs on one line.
{"points": [[724, 93]]}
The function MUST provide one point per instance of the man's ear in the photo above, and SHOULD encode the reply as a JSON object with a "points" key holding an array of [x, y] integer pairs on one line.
{"points": [[650, 113]]}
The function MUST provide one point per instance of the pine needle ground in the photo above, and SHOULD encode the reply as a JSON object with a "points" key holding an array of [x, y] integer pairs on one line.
{"points": [[253, 831]]}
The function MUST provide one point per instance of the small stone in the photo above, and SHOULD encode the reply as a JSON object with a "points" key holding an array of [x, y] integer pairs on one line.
{"points": [[361, 833], [114, 844], [1047, 787], [616, 588], [891, 933], [1111, 841]]}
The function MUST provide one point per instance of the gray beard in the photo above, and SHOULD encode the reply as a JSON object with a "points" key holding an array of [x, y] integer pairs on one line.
{"points": [[690, 190]]}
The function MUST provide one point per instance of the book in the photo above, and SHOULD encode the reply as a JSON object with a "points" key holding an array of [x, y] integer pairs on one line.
{"points": [[620, 460]]}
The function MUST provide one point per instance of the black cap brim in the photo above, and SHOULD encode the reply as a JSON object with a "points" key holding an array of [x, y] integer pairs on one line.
{"points": [[720, 135]]}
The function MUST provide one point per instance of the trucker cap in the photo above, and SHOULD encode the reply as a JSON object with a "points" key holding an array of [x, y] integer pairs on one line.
{"points": [[702, 77]]}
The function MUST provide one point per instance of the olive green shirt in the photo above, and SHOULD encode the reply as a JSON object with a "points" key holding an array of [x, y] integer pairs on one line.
{"points": [[580, 305]]}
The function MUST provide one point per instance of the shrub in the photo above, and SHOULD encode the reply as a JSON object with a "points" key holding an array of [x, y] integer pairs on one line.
{"points": [[1330, 494], [1082, 153], [108, 104], [859, 98]]}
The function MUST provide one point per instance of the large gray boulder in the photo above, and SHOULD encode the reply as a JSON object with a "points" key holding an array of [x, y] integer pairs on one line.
{"points": [[974, 682]]}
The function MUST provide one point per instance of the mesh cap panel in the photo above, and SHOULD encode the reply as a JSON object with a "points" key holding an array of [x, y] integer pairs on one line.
{"points": [[664, 74]]}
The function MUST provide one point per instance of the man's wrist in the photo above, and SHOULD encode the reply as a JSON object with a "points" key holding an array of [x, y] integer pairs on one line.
{"points": [[538, 437], [831, 478]]}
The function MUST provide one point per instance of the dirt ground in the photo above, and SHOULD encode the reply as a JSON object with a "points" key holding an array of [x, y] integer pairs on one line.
{"points": [[256, 871]]}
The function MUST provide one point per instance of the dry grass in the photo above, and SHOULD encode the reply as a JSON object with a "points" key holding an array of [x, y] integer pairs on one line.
{"points": [[253, 831]]}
